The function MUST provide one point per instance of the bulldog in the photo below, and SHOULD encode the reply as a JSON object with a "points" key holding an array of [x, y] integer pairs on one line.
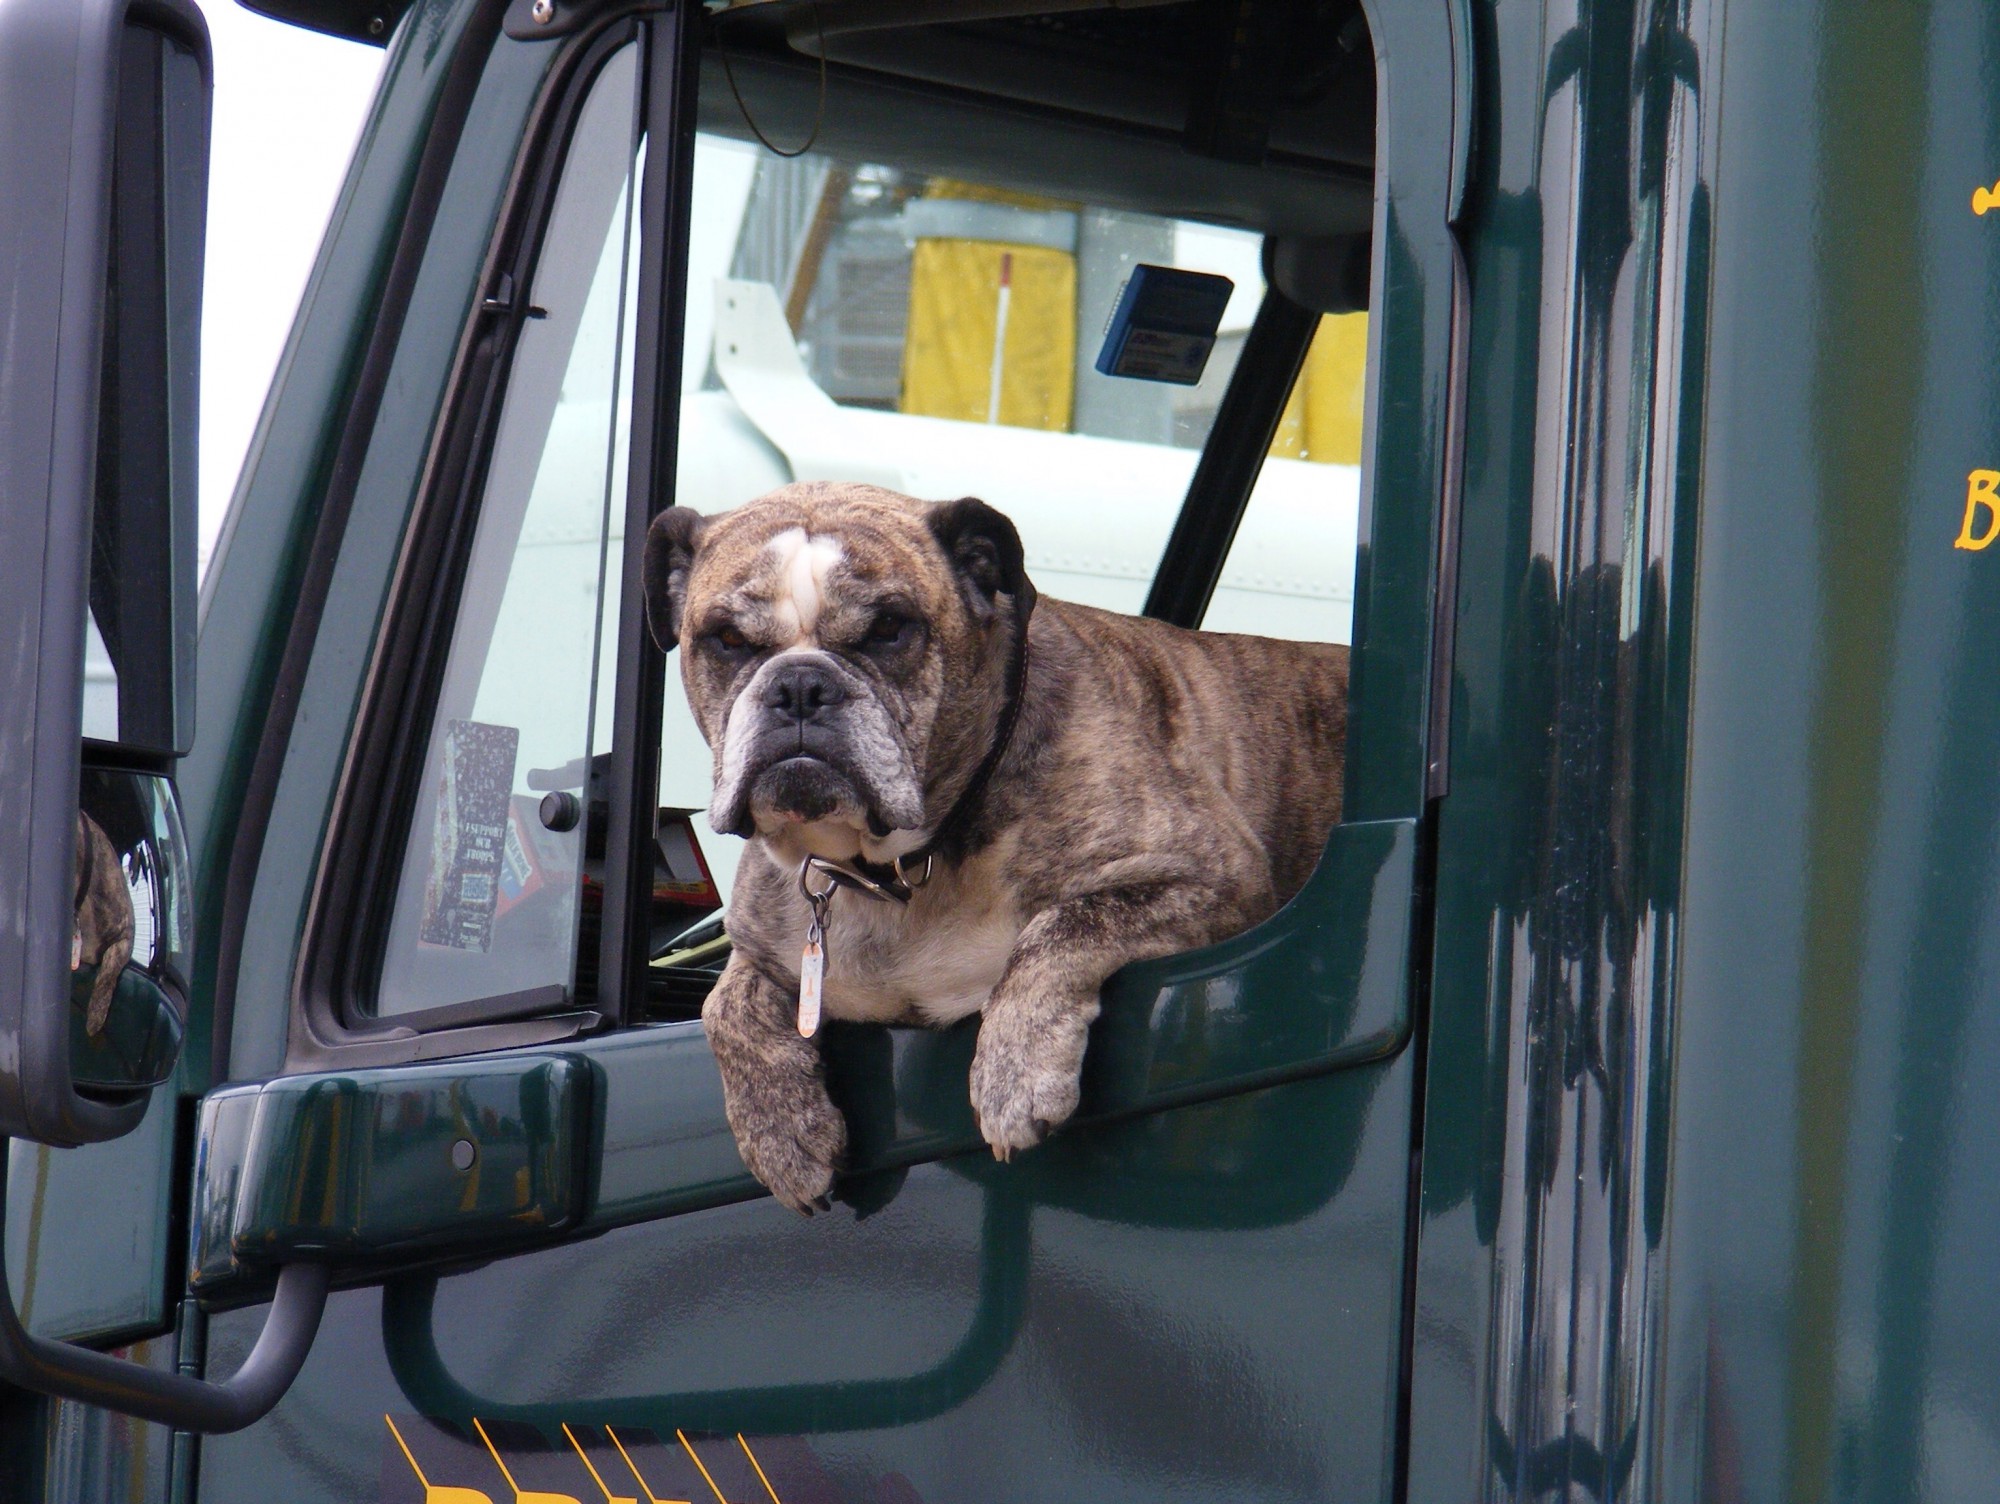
{"points": [[960, 799]]}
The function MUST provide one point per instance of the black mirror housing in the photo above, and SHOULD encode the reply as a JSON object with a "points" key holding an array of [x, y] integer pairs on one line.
{"points": [[104, 124], [104, 119]]}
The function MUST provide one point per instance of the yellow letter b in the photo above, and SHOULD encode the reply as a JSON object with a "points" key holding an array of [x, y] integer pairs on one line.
{"points": [[1982, 489]]}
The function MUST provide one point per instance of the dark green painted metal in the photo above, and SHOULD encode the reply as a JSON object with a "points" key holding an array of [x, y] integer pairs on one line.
{"points": [[401, 1161], [82, 1455], [1144, 1173], [1321, 986], [1836, 1288], [897, 1345], [1463, 139], [1407, 418], [1539, 1277], [410, 1342], [1715, 922], [1194, 1187], [1708, 1182], [1231, 1200]]}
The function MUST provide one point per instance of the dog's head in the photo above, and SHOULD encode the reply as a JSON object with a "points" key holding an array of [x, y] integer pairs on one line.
{"points": [[845, 650]]}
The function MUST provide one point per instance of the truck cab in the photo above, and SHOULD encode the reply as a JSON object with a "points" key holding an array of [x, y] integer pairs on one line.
{"points": [[1600, 1120]]}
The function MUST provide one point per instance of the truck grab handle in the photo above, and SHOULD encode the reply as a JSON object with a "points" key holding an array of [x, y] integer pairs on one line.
{"points": [[172, 1399]]}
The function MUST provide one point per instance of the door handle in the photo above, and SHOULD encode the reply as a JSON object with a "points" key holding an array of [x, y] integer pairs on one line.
{"points": [[171, 1399]]}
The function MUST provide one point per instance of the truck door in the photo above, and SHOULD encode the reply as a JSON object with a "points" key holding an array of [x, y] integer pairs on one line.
{"points": [[458, 915]]}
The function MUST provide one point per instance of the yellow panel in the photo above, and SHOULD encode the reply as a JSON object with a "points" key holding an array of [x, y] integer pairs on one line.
{"points": [[1322, 418], [1289, 442], [948, 352], [1339, 379], [985, 194]]}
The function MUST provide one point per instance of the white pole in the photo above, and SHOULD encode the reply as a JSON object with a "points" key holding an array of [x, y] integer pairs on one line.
{"points": [[1000, 336]]}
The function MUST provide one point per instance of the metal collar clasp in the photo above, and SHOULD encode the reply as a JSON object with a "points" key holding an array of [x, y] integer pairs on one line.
{"points": [[839, 876]]}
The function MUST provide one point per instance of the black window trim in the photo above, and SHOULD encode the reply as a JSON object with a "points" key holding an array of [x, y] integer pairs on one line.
{"points": [[1232, 457], [671, 95]]}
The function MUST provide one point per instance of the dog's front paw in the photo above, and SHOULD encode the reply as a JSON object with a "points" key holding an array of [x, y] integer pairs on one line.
{"points": [[1023, 1085], [787, 1129], [793, 1150]]}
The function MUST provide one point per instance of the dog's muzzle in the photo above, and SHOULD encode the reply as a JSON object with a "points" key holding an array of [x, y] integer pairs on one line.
{"points": [[808, 740]]}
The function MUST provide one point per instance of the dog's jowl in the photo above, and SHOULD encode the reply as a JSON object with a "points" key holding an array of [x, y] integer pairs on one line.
{"points": [[970, 800]]}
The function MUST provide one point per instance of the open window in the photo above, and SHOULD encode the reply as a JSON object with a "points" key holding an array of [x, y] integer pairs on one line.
{"points": [[920, 301]]}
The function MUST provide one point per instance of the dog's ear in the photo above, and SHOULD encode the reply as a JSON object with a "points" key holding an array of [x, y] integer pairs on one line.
{"points": [[985, 552], [670, 547]]}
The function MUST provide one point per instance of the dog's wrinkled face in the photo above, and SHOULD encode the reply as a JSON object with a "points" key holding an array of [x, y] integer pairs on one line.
{"points": [[843, 648]]}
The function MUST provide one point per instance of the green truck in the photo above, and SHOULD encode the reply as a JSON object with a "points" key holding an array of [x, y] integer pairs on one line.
{"points": [[1610, 1117]]}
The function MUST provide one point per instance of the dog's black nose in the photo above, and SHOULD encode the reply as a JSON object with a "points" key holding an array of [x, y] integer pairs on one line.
{"points": [[800, 691]]}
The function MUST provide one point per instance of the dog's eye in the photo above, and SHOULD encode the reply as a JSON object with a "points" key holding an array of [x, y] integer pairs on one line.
{"points": [[887, 630], [726, 640]]}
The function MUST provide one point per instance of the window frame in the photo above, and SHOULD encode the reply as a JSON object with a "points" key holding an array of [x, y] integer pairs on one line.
{"points": [[358, 877], [347, 926]]}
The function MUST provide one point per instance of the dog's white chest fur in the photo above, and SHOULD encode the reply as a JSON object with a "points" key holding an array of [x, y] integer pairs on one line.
{"points": [[887, 965], [934, 960]]}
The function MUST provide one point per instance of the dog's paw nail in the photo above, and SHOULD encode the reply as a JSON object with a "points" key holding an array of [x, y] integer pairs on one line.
{"points": [[1017, 1110], [794, 1160]]}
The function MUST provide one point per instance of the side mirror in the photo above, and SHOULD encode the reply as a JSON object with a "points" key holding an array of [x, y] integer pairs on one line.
{"points": [[104, 118], [135, 916], [104, 113]]}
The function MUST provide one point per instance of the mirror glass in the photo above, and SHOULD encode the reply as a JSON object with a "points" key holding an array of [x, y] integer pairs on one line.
{"points": [[139, 656], [129, 956]]}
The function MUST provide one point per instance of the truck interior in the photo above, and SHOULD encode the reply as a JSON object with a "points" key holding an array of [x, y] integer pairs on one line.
{"points": [[1256, 115]]}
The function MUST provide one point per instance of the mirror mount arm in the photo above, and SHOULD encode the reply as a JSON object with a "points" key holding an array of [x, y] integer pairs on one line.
{"points": [[172, 1399]]}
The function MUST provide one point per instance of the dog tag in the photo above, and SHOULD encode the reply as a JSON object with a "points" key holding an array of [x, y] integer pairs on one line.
{"points": [[812, 972], [812, 962]]}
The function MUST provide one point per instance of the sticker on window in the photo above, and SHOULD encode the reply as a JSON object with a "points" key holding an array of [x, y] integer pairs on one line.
{"points": [[469, 835]]}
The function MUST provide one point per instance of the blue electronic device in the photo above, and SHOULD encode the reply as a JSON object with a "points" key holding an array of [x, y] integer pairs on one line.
{"points": [[1164, 324]]}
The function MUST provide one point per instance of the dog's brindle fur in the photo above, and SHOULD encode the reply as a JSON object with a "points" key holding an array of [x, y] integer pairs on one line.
{"points": [[104, 920], [1162, 789]]}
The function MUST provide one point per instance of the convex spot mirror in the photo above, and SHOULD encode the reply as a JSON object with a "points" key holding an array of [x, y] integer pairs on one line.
{"points": [[129, 946], [104, 127]]}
